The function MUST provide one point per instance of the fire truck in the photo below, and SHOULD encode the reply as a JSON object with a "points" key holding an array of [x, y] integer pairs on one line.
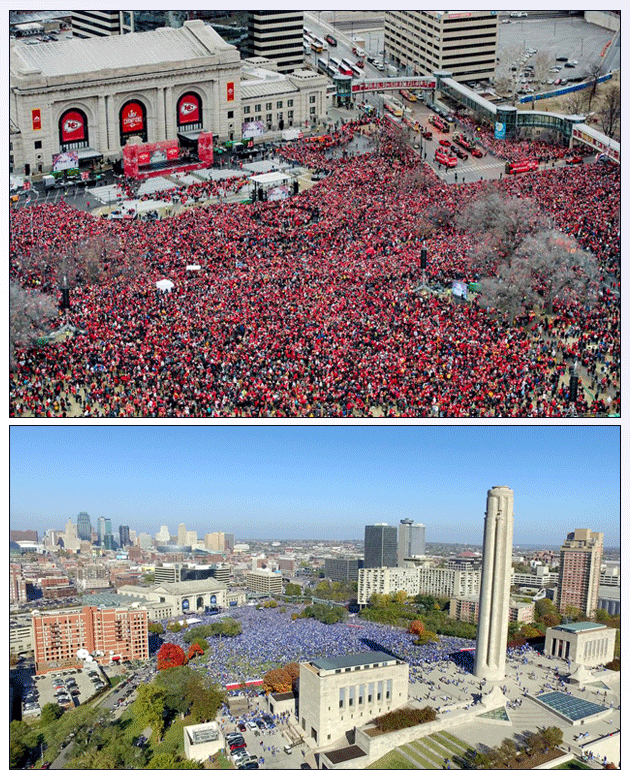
{"points": [[445, 158], [521, 166], [438, 122]]}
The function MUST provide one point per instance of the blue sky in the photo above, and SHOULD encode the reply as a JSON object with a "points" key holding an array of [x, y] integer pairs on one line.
{"points": [[318, 481]]}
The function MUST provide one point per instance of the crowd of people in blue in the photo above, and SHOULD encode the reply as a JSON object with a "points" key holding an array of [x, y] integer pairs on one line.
{"points": [[271, 639]]}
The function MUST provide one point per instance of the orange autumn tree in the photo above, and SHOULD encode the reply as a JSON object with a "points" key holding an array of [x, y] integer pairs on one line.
{"points": [[277, 681]]}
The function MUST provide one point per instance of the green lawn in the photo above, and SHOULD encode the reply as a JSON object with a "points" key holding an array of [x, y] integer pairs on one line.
{"points": [[457, 749], [457, 741], [420, 759], [572, 764], [393, 760], [424, 750]]}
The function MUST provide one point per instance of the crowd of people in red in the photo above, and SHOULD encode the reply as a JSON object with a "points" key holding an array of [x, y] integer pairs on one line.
{"points": [[311, 306]]}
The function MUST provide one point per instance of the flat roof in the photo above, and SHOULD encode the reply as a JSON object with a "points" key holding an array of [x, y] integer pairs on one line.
{"points": [[345, 754], [575, 627], [133, 50], [358, 659]]}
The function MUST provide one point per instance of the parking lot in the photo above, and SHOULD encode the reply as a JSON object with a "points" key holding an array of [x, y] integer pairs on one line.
{"points": [[69, 688]]}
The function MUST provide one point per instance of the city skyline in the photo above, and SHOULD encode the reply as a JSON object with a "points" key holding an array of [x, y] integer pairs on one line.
{"points": [[318, 482]]}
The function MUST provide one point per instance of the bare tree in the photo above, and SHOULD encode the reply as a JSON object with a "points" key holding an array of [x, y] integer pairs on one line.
{"points": [[547, 269], [575, 102], [30, 312], [542, 64], [501, 225], [593, 71], [611, 111]]}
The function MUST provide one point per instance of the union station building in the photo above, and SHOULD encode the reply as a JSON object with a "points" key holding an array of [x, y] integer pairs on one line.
{"points": [[92, 96]]}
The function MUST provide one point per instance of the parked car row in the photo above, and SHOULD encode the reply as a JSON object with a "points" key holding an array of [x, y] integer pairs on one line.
{"points": [[238, 750]]}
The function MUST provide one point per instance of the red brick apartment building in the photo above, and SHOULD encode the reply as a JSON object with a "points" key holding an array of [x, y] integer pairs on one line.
{"points": [[112, 633]]}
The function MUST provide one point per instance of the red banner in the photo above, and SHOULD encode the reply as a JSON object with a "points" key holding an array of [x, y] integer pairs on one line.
{"points": [[230, 91], [188, 110], [132, 118], [37, 119], [72, 127], [204, 148]]}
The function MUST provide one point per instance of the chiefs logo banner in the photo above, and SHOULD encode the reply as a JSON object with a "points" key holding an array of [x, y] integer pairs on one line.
{"points": [[72, 127], [37, 119], [188, 110], [132, 121], [230, 91]]}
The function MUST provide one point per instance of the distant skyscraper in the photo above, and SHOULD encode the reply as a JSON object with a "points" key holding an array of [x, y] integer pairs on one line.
{"points": [[580, 564], [411, 540], [229, 541], [494, 603], [96, 24], [123, 534], [278, 36], [191, 538], [84, 527], [163, 536], [380, 546], [101, 531], [182, 535]]}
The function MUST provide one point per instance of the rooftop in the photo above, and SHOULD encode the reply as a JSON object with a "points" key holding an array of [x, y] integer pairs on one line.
{"points": [[345, 661], [575, 627], [166, 45]]}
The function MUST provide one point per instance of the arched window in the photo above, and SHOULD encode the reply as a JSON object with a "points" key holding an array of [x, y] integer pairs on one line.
{"points": [[189, 112], [73, 130], [133, 121]]}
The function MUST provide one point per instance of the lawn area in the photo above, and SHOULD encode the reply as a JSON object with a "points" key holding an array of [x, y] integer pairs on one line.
{"points": [[392, 760], [425, 751], [457, 741], [457, 749], [572, 764], [173, 740], [420, 759]]}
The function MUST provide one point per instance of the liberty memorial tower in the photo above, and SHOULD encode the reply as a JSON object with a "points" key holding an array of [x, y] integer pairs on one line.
{"points": [[494, 599]]}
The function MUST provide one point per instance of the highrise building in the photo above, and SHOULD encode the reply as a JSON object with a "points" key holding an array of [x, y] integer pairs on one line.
{"points": [[411, 541], [97, 24], [342, 569], [580, 564], [100, 531], [182, 535], [191, 538], [84, 527], [380, 546], [228, 540], [123, 535], [494, 602], [163, 536], [463, 43], [277, 35], [215, 541]]}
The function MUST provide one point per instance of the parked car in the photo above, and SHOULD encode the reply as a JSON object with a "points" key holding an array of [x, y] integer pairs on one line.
{"points": [[574, 160], [476, 152], [287, 749], [427, 134]]}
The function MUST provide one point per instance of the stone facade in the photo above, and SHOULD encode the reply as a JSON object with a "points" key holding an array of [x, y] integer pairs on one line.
{"points": [[340, 693], [496, 569], [586, 644]]}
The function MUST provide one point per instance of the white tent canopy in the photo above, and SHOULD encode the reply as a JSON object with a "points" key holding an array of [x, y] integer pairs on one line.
{"points": [[193, 268], [269, 179], [165, 285]]}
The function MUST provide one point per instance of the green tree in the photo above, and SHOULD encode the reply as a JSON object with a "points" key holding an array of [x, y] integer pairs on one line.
{"points": [[50, 713], [174, 627], [507, 751], [22, 739], [551, 737], [227, 627], [148, 708], [207, 700], [176, 685], [156, 628]]}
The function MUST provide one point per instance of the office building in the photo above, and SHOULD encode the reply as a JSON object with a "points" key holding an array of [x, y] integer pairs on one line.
{"points": [[123, 535], [496, 570], [181, 572], [381, 546], [114, 633], [344, 691], [228, 541], [586, 644], [163, 536], [215, 541], [99, 24], [580, 565], [443, 583], [191, 538], [17, 584], [411, 541], [277, 36], [467, 610], [182, 535], [84, 527], [464, 43], [263, 581], [21, 634], [342, 569]]}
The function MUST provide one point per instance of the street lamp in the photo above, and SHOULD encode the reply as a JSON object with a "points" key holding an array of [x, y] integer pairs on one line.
{"points": [[65, 293]]}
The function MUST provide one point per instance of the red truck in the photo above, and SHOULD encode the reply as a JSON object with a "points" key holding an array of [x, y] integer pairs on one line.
{"points": [[521, 166], [446, 159]]}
